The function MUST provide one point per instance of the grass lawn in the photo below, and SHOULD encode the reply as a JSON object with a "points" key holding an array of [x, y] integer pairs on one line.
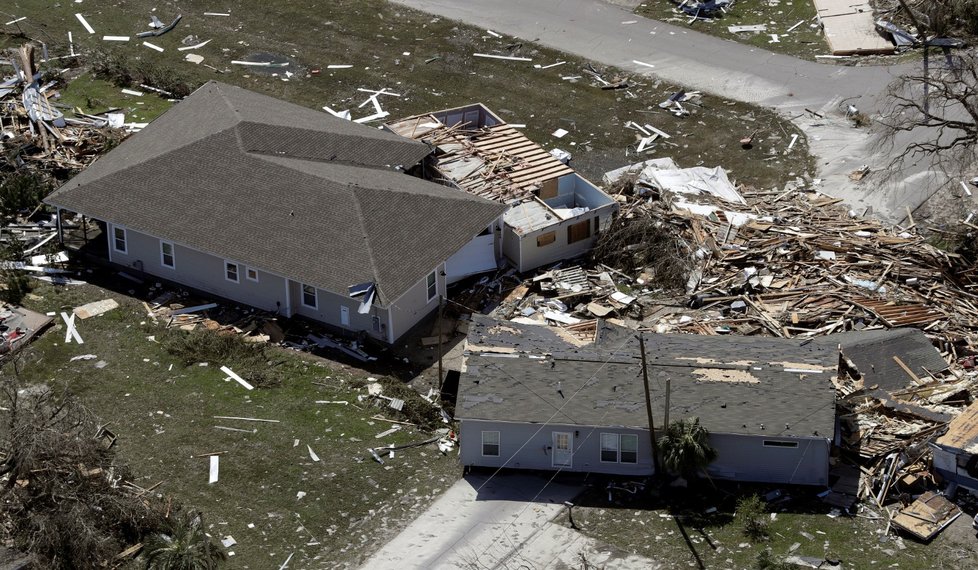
{"points": [[803, 41], [428, 61], [676, 530], [162, 413]]}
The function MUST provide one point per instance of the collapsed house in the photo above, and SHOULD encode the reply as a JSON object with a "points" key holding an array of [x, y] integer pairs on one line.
{"points": [[956, 452], [533, 397], [552, 213], [280, 207]]}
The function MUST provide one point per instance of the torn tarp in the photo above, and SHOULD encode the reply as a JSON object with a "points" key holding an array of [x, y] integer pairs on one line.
{"points": [[708, 9]]}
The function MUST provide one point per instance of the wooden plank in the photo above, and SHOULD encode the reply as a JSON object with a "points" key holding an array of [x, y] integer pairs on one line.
{"points": [[215, 466], [236, 378], [906, 368]]}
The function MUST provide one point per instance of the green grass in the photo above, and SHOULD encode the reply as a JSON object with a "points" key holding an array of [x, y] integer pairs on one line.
{"points": [[778, 15], [93, 95], [655, 528], [373, 36], [162, 413]]}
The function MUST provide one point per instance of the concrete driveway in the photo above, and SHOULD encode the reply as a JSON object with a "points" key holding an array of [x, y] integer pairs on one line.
{"points": [[500, 522], [594, 29]]}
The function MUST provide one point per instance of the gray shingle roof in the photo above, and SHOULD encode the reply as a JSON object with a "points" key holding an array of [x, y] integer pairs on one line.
{"points": [[733, 384], [872, 353], [284, 188]]}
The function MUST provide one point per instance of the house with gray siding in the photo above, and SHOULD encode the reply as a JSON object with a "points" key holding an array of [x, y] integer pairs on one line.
{"points": [[531, 397], [280, 207], [553, 213]]}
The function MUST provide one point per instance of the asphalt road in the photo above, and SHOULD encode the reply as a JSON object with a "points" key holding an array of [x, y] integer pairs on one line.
{"points": [[594, 29]]}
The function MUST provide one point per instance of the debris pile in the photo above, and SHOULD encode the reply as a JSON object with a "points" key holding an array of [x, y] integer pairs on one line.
{"points": [[39, 134]]}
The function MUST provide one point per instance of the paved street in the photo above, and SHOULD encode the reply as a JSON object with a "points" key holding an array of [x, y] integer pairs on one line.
{"points": [[594, 29]]}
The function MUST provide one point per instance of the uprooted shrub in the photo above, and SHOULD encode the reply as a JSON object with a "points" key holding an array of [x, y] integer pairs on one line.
{"points": [[126, 71], [251, 360], [66, 502], [638, 244], [416, 409]]}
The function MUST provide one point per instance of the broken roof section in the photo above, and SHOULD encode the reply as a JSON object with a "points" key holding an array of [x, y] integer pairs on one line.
{"points": [[962, 432], [481, 154]]}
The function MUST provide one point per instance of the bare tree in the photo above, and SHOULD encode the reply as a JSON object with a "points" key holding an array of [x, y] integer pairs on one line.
{"points": [[929, 119]]}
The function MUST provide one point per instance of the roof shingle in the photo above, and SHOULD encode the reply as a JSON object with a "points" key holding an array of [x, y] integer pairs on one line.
{"points": [[287, 189]]}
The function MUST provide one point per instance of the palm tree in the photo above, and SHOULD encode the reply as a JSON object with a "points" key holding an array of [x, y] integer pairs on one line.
{"points": [[187, 547], [686, 447]]}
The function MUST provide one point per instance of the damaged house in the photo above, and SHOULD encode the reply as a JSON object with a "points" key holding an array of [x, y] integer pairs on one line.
{"points": [[552, 212], [280, 207], [532, 397]]}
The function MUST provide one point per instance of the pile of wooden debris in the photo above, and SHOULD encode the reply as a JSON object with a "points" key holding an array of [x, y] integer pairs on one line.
{"points": [[41, 135]]}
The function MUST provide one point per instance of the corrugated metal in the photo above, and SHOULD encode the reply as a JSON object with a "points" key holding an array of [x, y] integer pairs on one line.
{"points": [[900, 314]]}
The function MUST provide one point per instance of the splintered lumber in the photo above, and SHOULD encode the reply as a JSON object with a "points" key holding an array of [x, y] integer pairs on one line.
{"points": [[236, 378], [70, 332], [195, 309], [214, 466], [245, 419], [927, 516]]}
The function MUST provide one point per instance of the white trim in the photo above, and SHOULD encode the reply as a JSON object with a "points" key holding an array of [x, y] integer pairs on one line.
{"points": [[780, 443], [499, 443], [315, 296], [248, 271], [237, 271], [173, 254], [125, 240], [601, 448]]}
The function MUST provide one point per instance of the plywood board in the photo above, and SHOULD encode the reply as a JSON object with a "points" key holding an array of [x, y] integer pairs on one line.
{"points": [[849, 27]]}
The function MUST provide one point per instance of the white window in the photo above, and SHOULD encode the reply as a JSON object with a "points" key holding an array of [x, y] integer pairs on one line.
{"points": [[345, 316], [432, 282], [619, 448], [252, 274], [119, 239], [609, 448], [231, 271], [629, 448], [309, 297], [490, 444], [166, 255]]}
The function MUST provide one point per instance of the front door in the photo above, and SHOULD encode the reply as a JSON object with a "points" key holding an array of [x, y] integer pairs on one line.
{"points": [[345, 316], [563, 448]]}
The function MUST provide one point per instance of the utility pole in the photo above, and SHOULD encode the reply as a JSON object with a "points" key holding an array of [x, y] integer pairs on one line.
{"points": [[922, 32], [665, 415], [648, 406]]}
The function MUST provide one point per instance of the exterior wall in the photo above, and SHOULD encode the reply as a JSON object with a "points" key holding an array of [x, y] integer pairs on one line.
{"points": [[199, 270], [511, 246], [329, 310], [740, 457], [951, 464], [537, 453], [746, 458], [532, 256], [477, 256], [412, 306]]}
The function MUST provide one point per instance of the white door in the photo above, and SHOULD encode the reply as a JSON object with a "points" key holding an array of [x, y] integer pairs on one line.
{"points": [[345, 316], [563, 448]]}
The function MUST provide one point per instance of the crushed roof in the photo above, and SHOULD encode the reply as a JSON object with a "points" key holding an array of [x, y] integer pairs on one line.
{"points": [[738, 385], [288, 189], [874, 355], [962, 432], [494, 161]]}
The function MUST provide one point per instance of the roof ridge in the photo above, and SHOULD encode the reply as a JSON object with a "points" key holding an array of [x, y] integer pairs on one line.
{"points": [[366, 241]]}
